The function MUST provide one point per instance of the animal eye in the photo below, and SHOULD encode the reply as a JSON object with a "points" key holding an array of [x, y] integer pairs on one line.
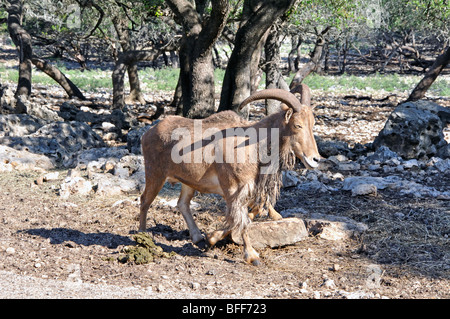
{"points": [[298, 126]]}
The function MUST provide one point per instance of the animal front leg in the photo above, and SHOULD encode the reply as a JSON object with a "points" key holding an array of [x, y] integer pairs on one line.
{"points": [[153, 184]]}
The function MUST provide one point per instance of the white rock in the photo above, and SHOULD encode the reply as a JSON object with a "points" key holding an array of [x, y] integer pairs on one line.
{"points": [[11, 158], [290, 178], [272, 234], [443, 165], [51, 176], [75, 185], [329, 283], [364, 189], [349, 166], [331, 227], [110, 185], [411, 163], [379, 182]]}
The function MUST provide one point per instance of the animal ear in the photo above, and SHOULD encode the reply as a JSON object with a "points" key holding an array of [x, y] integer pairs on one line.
{"points": [[288, 115]]}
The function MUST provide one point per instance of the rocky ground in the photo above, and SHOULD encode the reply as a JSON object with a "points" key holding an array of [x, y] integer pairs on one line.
{"points": [[378, 226]]}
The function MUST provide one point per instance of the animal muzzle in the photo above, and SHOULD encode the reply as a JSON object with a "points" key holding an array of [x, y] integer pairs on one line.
{"points": [[310, 162]]}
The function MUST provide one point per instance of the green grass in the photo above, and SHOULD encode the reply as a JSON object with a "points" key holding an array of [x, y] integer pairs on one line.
{"points": [[165, 79], [376, 82]]}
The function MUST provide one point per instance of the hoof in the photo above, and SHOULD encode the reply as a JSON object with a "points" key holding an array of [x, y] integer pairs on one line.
{"points": [[202, 244], [256, 262], [210, 242]]}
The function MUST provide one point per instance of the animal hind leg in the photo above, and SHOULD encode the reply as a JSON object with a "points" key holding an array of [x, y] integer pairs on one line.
{"points": [[251, 256], [187, 193], [153, 185], [273, 213], [256, 210], [217, 235]]}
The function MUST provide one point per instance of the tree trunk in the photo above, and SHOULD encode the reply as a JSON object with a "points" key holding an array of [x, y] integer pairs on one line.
{"points": [[177, 101], [22, 40], [274, 78], [200, 33], [314, 64], [53, 72], [258, 17], [120, 25], [135, 85], [294, 54], [441, 62], [124, 61]]}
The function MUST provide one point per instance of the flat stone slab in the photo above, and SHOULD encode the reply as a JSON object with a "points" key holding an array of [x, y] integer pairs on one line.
{"points": [[273, 234], [331, 227]]}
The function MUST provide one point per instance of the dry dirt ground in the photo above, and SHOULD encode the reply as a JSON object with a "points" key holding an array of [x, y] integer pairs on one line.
{"points": [[405, 253]]}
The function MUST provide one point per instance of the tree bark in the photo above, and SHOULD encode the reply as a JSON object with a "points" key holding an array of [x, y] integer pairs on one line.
{"points": [[274, 78], [294, 54], [258, 17], [196, 65], [120, 25], [441, 62], [22, 40], [53, 72]]}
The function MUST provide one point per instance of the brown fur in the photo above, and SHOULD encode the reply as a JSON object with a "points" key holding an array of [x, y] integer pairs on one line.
{"points": [[241, 184]]}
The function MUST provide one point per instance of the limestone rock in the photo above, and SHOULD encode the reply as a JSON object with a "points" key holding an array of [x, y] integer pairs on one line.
{"points": [[443, 166], [381, 155], [364, 189], [289, 179], [101, 155], [332, 227], [444, 151], [61, 141], [272, 234], [379, 182], [11, 159], [110, 185], [414, 129], [19, 125], [134, 139], [75, 185]]}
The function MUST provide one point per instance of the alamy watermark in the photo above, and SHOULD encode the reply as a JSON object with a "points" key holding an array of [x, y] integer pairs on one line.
{"points": [[230, 145]]}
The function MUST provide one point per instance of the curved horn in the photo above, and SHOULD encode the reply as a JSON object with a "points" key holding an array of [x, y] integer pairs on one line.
{"points": [[304, 92], [277, 94]]}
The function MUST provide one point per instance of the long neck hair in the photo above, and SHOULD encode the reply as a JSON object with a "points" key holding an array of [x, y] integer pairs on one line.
{"points": [[268, 186]]}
